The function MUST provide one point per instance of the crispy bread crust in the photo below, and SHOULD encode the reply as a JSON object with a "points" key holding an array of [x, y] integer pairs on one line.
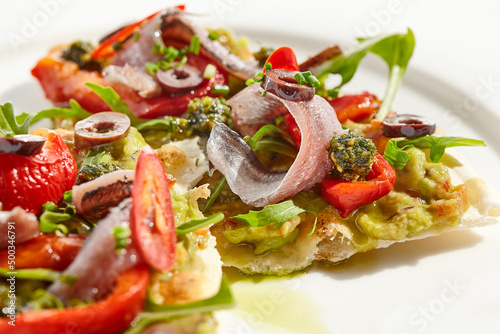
{"points": [[332, 240]]}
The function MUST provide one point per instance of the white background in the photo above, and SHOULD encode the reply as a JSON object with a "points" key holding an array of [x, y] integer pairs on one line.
{"points": [[457, 54]]}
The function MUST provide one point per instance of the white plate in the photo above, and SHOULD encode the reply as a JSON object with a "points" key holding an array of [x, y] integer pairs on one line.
{"points": [[446, 284]]}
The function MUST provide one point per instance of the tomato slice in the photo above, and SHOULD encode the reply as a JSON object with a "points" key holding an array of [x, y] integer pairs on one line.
{"points": [[283, 58], [152, 218], [31, 181], [112, 314], [45, 251]]}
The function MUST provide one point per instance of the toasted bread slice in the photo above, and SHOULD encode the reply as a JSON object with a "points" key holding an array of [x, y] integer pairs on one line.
{"points": [[334, 241]]}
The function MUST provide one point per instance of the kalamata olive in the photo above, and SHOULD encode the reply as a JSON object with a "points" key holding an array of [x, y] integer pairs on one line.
{"points": [[406, 125], [101, 128], [282, 83], [180, 79], [22, 144]]}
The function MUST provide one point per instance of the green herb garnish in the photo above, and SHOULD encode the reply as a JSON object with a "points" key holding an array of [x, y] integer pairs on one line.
{"points": [[218, 188], [75, 113], [395, 150], [209, 71], [197, 223], [122, 236], [276, 214], [270, 138], [39, 274], [395, 49], [113, 100], [280, 213], [9, 124], [220, 89]]}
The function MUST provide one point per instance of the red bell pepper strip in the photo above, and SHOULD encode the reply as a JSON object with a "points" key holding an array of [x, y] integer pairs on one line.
{"points": [[113, 314], [347, 196], [283, 58], [293, 130], [152, 217], [355, 107], [31, 181], [105, 49], [62, 80], [45, 251]]}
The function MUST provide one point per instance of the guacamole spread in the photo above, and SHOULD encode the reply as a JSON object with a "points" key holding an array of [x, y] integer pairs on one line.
{"points": [[423, 197]]}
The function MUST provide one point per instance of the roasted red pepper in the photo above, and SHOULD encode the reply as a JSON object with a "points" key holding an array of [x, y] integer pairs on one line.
{"points": [[283, 58], [63, 80], [45, 251], [113, 314], [152, 218], [105, 49], [31, 181], [293, 130], [355, 107], [347, 196]]}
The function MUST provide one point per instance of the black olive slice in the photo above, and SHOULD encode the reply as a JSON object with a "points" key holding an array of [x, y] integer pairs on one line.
{"points": [[180, 79], [282, 83], [22, 144], [406, 125], [101, 128]]}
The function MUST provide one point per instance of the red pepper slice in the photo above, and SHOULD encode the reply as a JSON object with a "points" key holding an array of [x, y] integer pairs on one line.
{"points": [[283, 58], [105, 49], [355, 107], [293, 130], [31, 181], [112, 314], [45, 251], [62, 80], [152, 217], [347, 196]]}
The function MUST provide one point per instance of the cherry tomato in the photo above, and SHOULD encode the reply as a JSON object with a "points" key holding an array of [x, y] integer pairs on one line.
{"points": [[30, 181], [113, 314], [45, 251], [152, 217], [283, 58]]}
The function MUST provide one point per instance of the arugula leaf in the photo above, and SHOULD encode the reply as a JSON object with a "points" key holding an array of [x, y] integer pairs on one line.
{"points": [[218, 188], [398, 158], [277, 214], [345, 64], [396, 51], [222, 300], [311, 203], [196, 224], [75, 112], [395, 155], [40, 274], [167, 122], [9, 124], [270, 138], [113, 100]]}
